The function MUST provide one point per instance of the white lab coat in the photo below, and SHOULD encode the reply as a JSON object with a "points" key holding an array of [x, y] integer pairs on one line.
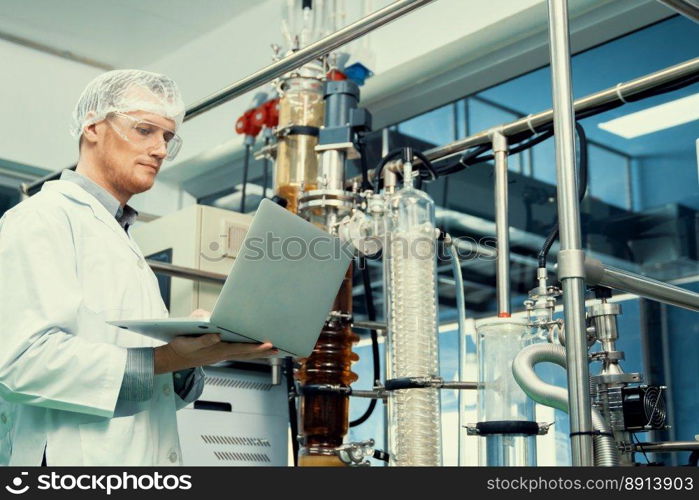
{"points": [[67, 266]]}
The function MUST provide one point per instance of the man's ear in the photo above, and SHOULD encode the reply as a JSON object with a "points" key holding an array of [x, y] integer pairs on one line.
{"points": [[90, 133]]}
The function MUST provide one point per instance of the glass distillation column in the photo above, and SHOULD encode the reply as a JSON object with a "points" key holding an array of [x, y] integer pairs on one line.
{"points": [[506, 415], [410, 273], [325, 416], [300, 117]]}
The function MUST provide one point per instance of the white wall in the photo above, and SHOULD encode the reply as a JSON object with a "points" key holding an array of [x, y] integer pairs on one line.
{"points": [[37, 95]]}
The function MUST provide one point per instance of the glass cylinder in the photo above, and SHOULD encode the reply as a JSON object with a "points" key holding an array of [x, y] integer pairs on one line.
{"points": [[324, 417], [500, 399], [410, 270], [301, 104]]}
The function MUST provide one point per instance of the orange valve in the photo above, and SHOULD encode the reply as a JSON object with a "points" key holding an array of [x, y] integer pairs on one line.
{"points": [[246, 124], [336, 75]]}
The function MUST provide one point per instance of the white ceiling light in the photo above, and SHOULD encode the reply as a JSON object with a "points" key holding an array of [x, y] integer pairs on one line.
{"points": [[651, 120]]}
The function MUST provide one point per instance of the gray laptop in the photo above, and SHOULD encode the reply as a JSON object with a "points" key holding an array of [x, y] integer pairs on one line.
{"points": [[280, 289]]}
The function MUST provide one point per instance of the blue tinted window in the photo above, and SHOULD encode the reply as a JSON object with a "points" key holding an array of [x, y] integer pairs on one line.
{"points": [[609, 176], [436, 126]]}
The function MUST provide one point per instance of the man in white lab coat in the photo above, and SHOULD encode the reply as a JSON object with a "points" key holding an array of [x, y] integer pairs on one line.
{"points": [[78, 391]]}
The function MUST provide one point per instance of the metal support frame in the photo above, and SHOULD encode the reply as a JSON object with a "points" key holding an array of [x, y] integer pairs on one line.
{"points": [[502, 224], [598, 274], [570, 236], [616, 93], [186, 272]]}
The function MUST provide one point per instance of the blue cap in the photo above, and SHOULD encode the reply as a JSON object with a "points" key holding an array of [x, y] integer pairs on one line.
{"points": [[358, 73]]}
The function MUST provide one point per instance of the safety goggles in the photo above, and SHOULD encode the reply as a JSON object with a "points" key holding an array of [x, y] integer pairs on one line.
{"points": [[145, 134]]}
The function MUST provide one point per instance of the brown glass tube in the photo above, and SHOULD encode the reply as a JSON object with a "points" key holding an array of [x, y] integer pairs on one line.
{"points": [[324, 418]]}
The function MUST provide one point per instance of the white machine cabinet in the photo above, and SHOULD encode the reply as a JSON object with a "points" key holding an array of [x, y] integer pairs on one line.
{"points": [[241, 418]]}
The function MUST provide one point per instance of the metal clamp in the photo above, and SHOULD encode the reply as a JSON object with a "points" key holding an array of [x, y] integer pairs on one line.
{"points": [[356, 454], [297, 130], [340, 316], [529, 124], [616, 378], [619, 94], [607, 355], [343, 201], [348, 147], [603, 309], [571, 264], [499, 141], [378, 392]]}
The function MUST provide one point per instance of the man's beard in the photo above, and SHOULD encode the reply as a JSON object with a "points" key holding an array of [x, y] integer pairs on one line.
{"points": [[124, 180]]}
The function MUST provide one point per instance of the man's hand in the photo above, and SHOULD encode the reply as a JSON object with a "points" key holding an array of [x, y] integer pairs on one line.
{"points": [[188, 352], [201, 314]]}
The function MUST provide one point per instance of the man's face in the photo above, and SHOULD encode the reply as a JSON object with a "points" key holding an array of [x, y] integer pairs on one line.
{"points": [[131, 155]]}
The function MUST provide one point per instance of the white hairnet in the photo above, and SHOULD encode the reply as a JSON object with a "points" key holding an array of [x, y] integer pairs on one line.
{"points": [[127, 90]]}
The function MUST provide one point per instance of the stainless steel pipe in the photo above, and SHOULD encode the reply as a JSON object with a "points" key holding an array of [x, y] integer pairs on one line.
{"points": [[502, 224], [306, 54], [571, 275], [370, 325], [598, 274], [668, 446], [688, 8], [467, 386], [186, 272]]}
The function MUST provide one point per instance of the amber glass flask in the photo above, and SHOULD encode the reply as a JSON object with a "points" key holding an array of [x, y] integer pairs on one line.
{"points": [[324, 417]]}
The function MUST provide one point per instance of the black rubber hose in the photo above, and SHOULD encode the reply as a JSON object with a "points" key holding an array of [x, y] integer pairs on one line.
{"points": [[364, 165], [425, 168], [391, 155], [265, 172], [472, 156], [371, 313], [427, 165], [582, 189], [246, 165], [293, 415], [367, 414]]}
